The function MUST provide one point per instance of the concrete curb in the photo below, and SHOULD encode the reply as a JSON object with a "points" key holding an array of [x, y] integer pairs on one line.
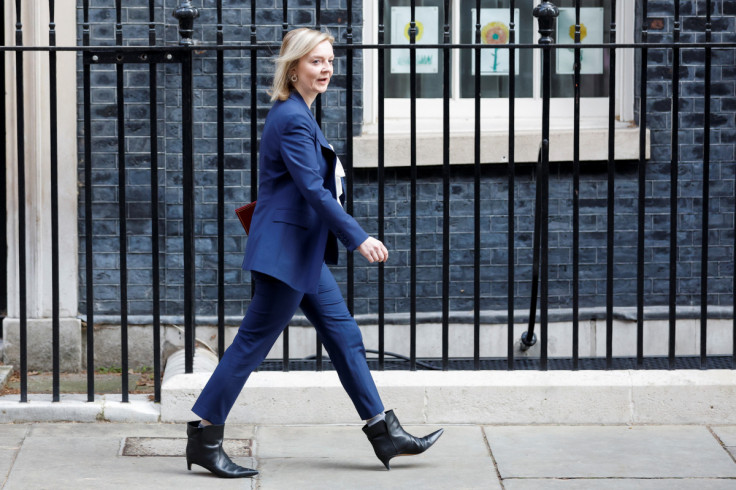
{"points": [[453, 397], [478, 397], [75, 408]]}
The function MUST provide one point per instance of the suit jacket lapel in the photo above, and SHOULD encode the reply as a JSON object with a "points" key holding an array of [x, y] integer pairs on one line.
{"points": [[326, 148]]}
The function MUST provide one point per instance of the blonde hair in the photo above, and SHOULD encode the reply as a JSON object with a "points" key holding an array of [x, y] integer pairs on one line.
{"points": [[296, 44]]}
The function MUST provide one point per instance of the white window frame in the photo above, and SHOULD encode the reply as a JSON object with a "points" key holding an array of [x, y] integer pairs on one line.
{"points": [[494, 111]]}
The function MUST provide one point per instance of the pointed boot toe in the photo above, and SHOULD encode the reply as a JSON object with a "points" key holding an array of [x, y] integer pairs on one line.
{"points": [[389, 439], [432, 438]]}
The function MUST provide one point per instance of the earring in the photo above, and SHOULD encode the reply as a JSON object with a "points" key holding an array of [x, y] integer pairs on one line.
{"points": [[293, 78]]}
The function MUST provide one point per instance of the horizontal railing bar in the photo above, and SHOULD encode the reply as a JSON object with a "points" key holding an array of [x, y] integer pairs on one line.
{"points": [[624, 313], [275, 47], [520, 364], [117, 56]]}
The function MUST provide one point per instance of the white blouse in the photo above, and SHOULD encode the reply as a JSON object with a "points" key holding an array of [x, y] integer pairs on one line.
{"points": [[339, 174]]}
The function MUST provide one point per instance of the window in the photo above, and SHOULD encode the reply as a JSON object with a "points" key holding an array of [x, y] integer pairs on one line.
{"points": [[496, 28]]}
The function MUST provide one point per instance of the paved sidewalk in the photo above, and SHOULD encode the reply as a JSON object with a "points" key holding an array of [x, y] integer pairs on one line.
{"points": [[143, 456]]}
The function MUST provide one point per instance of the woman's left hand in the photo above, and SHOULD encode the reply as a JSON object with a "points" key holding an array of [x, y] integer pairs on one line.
{"points": [[373, 250]]}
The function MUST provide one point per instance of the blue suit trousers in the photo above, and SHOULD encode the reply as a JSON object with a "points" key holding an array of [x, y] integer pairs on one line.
{"points": [[272, 307]]}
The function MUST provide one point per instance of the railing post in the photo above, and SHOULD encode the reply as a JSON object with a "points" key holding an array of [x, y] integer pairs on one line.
{"points": [[545, 12], [122, 205], [88, 194], [674, 170], [155, 245], [186, 14], [21, 181]]}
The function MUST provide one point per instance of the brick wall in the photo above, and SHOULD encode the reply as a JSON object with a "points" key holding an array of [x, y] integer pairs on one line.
{"points": [[690, 142], [238, 117], [593, 189]]}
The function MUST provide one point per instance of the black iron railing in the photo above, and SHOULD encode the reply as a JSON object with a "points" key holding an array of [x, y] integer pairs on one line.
{"points": [[157, 53]]}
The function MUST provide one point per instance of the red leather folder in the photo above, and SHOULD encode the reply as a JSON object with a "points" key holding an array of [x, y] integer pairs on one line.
{"points": [[245, 215]]}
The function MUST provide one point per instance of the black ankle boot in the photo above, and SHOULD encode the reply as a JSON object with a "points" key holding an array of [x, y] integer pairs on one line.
{"points": [[204, 447], [389, 439]]}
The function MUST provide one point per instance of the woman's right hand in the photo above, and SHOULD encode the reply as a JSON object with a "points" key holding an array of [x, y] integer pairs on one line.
{"points": [[373, 250]]}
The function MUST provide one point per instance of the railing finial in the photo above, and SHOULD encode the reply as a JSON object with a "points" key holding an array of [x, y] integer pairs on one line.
{"points": [[546, 12], [186, 14]]}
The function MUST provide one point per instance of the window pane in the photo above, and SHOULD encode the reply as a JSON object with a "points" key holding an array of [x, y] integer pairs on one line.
{"points": [[429, 17], [595, 21], [495, 26]]}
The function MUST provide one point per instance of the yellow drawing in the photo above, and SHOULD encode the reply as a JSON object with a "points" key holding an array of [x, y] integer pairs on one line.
{"points": [[583, 32], [494, 33], [583, 35], [420, 31]]}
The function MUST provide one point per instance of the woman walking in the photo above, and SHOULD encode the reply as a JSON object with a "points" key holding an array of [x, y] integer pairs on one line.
{"points": [[294, 233]]}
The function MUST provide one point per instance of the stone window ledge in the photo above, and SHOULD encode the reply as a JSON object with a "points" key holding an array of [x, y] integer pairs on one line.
{"points": [[494, 147]]}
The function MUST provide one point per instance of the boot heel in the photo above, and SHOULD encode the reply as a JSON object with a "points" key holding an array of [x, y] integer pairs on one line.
{"points": [[386, 462], [189, 465]]}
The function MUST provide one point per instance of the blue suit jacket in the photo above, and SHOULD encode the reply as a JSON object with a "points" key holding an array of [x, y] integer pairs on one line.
{"points": [[297, 216]]}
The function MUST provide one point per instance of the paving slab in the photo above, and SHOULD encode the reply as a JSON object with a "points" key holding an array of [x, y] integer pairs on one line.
{"points": [[329, 474], [341, 457], [620, 483], [11, 439], [726, 433], [87, 456], [105, 430], [120, 431], [606, 451], [12, 434], [92, 456]]}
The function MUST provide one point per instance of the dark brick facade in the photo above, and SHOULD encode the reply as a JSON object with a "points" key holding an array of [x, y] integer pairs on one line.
{"points": [[238, 118]]}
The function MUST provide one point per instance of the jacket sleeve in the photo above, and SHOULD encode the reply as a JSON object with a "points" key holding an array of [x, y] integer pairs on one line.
{"points": [[298, 153]]}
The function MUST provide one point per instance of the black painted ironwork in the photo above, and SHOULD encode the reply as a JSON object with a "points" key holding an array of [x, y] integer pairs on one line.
{"points": [[476, 185], [318, 117], [381, 191], [285, 335], [546, 13], [348, 166], [186, 14], [21, 164], [121, 55], [675, 158], [529, 338], [446, 37], [188, 205], [511, 178], [54, 175], [576, 197], [88, 200], [642, 175], [611, 187], [122, 205], [253, 112], [220, 185], [3, 189], [155, 248], [706, 194], [413, 191]]}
